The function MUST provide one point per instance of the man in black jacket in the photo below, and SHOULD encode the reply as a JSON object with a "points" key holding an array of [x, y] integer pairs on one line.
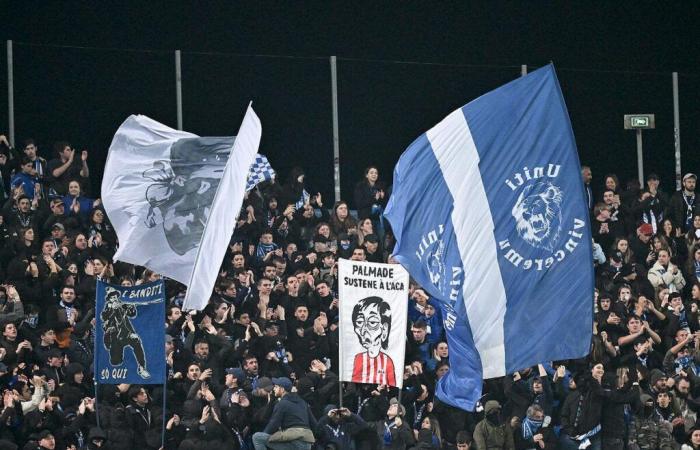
{"points": [[291, 421]]}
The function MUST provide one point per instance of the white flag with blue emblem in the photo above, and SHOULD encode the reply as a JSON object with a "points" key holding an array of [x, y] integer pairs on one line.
{"points": [[489, 216], [173, 198]]}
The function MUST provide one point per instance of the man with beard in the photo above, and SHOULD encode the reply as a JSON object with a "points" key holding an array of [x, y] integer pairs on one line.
{"points": [[685, 403], [20, 214], [684, 203]]}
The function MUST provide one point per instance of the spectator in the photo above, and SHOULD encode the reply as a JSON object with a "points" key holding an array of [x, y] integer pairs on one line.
{"points": [[536, 431], [337, 428], [392, 432], [66, 166], [648, 431], [291, 422], [666, 274], [492, 432], [684, 204]]}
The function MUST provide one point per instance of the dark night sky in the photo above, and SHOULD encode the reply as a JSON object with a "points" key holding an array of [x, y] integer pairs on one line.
{"points": [[611, 59]]}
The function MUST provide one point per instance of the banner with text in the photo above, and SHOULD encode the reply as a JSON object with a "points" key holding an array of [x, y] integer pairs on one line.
{"points": [[130, 334], [373, 312]]}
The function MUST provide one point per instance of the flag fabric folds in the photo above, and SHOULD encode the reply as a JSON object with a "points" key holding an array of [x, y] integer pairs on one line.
{"points": [[260, 171], [372, 318], [488, 213], [128, 347], [173, 198]]}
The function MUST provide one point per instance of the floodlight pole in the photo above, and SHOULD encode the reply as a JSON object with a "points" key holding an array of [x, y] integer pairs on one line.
{"points": [[336, 140], [178, 87], [10, 97], [676, 130]]}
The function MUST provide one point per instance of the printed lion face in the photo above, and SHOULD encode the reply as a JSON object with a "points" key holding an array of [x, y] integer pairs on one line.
{"points": [[537, 214]]}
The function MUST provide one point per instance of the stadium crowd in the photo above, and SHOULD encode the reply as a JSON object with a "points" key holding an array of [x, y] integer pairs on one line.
{"points": [[258, 367]]}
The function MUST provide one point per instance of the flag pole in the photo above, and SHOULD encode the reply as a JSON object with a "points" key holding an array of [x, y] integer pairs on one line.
{"points": [[165, 398], [95, 375], [340, 394]]}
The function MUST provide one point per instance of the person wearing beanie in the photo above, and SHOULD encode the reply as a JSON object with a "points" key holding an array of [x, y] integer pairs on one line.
{"points": [[657, 382], [492, 432], [393, 432], [291, 424], [97, 439]]}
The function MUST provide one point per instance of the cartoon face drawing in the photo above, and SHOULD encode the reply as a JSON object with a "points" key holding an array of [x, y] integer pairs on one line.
{"points": [[372, 324]]}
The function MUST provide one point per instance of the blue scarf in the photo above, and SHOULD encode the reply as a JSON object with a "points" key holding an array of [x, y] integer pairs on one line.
{"points": [[530, 427], [387, 432], [683, 319], [264, 249], [685, 363], [697, 270]]}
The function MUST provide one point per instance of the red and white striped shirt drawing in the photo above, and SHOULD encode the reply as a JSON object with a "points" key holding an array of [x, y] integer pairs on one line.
{"points": [[377, 370]]}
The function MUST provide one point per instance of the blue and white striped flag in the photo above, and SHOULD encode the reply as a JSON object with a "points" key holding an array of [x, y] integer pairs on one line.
{"points": [[260, 171], [489, 217]]}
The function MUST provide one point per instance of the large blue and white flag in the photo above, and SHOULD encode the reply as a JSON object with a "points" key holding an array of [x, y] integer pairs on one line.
{"points": [[129, 336], [173, 198], [488, 213]]}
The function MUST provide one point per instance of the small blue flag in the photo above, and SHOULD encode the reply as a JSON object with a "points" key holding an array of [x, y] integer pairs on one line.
{"points": [[130, 334], [489, 216], [260, 171]]}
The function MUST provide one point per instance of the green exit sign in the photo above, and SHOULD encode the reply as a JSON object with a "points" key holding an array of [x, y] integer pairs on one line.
{"points": [[639, 121]]}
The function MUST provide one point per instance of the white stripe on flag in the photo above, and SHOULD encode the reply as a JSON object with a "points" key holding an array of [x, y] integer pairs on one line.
{"points": [[456, 153]]}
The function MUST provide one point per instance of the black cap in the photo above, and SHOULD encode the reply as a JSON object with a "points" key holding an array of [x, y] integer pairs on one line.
{"points": [[617, 256], [373, 238]]}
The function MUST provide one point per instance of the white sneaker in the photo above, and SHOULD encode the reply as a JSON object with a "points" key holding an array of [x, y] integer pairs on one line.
{"points": [[143, 373]]}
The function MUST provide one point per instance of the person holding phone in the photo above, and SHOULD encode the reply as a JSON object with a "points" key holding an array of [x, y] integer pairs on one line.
{"points": [[338, 427]]}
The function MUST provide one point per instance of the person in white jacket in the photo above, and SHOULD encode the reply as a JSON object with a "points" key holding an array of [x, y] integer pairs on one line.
{"points": [[664, 273]]}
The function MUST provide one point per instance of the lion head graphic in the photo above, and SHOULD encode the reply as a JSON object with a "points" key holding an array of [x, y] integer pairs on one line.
{"points": [[537, 214], [436, 265]]}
